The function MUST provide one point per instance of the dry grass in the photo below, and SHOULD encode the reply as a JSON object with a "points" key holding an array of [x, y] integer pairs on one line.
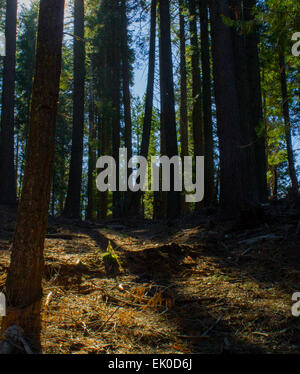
{"points": [[177, 292]]}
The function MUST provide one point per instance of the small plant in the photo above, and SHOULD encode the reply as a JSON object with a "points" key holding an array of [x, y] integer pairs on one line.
{"points": [[111, 261]]}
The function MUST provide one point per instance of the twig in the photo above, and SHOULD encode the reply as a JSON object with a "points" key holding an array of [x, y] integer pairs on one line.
{"points": [[212, 326], [49, 297], [247, 251], [109, 318], [192, 337], [260, 333], [202, 336]]}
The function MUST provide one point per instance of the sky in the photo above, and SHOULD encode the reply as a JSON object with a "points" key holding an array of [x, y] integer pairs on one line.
{"points": [[140, 82], [26, 2], [140, 75]]}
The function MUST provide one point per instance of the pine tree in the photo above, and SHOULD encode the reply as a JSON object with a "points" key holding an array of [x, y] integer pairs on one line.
{"points": [[73, 201], [235, 170], [7, 167], [24, 278], [168, 121], [209, 188]]}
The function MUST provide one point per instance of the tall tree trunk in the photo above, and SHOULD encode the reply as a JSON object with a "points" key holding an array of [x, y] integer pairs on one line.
{"points": [[144, 151], [63, 171], [274, 182], [24, 278], [168, 102], [196, 83], [150, 84], [255, 102], [126, 74], [103, 123], [126, 79], [183, 84], [52, 206], [92, 156], [115, 79], [287, 122], [161, 197], [104, 141], [244, 95], [183, 95], [209, 171], [265, 126], [7, 169], [72, 208], [17, 161], [235, 190]]}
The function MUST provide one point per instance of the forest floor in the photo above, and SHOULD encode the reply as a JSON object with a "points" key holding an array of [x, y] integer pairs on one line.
{"points": [[194, 286]]}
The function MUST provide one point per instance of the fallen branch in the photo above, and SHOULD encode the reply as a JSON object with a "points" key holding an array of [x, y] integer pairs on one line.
{"points": [[260, 238], [202, 336], [247, 251], [192, 337], [212, 327], [109, 318], [260, 333], [115, 300]]}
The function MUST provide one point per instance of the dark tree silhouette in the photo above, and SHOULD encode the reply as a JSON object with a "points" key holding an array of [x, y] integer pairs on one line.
{"points": [[7, 168], [168, 125], [24, 278], [72, 208]]}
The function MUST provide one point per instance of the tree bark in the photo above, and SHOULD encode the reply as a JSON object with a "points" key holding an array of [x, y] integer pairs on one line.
{"points": [[73, 201], [150, 84], [135, 207], [209, 187], [92, 156], [24, 278], [256, 117], [287, 122], [7, 168], [168, 125], [244, 95], [183, 85], [196, 83], [126, 79], [103, 64], [104, 141], [115, 79], [235, 191], [183, 96]]}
